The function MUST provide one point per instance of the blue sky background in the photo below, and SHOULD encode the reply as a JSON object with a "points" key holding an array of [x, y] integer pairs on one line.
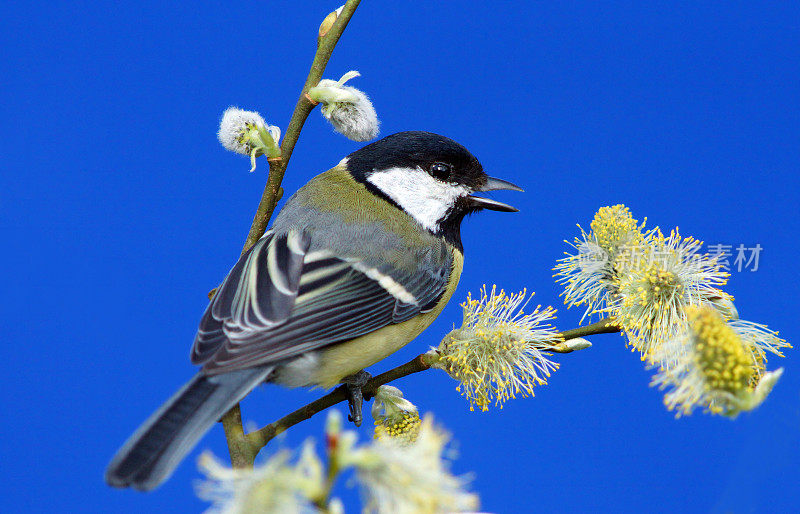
{"points": [[119, 211]]}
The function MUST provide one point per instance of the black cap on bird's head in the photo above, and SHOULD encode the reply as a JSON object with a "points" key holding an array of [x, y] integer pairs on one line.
{"points": [[431, 177]]}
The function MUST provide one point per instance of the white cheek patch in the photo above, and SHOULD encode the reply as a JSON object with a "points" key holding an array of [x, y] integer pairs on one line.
{"points": [[418, 193]]}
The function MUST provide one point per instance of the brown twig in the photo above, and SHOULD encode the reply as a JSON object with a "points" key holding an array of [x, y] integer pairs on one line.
{"points": [[261, 437], [242, 452], [301, 111], [604, 326]]}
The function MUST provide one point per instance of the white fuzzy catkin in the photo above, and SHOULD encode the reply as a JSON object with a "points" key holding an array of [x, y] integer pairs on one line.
{"points": [[358, 120], [246, 133], [235, 122], [348, 109]]}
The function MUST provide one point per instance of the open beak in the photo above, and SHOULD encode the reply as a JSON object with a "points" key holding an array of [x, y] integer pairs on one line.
{"points": [[495, 184]]}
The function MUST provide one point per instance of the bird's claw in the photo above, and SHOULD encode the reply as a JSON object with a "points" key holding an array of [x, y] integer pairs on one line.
{"points": [[355, 397], [356, 401]]}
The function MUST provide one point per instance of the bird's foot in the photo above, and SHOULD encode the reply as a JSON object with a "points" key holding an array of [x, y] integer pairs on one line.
{"points": [[355, 398]]}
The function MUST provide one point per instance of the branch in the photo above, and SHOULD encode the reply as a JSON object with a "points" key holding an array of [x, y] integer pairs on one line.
{"points": [[242, 452], [277, 168], [260, 438], [604, 326]]}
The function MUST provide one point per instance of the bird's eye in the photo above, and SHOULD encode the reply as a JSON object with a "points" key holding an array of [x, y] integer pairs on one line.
{"points": [[441, 170]]}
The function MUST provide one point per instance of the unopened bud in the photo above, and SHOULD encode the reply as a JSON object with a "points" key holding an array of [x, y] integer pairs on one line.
{"points": [[572, 345], [328, 22]]}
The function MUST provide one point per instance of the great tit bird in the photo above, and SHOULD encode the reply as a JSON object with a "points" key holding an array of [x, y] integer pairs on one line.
{"points": [[357, 264]]}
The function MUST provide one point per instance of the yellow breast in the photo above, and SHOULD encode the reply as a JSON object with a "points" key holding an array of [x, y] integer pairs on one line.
{"points": [[343, 359]]}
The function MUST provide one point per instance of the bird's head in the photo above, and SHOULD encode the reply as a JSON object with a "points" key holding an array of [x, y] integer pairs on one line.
{"points": [[430, 177]]}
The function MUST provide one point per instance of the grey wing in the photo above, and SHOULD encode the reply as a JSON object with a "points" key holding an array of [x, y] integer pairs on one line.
{"points": [[258, 293], [280, 300]]}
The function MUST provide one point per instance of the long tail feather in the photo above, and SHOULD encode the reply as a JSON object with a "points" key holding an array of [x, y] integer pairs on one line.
{"points": [[153, 452]]}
